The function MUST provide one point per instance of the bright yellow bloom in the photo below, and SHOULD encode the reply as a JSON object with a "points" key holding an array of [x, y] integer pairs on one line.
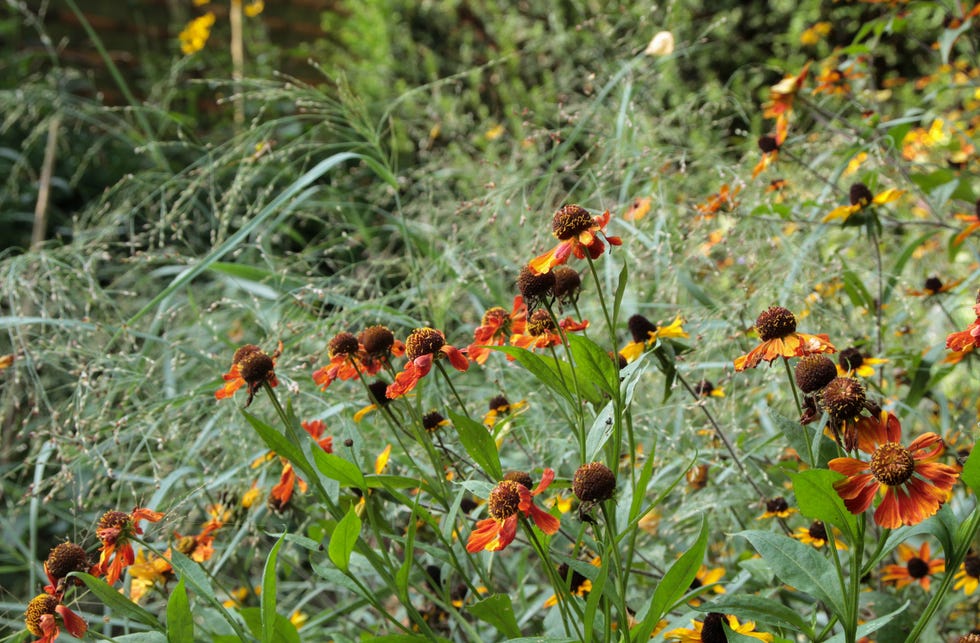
{"points": [[711, 629], [195, 35]]}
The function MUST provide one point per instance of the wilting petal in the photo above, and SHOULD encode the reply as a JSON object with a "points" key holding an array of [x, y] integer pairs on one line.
{"points": [[73, 622], [544, 520], [456, 358], [482, 535]]}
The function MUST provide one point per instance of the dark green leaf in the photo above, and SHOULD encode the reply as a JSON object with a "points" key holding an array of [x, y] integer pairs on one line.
{"points": [[343, 539], [872, 626], [282, 630], [479, 444], [336, 468], [818, 500], [195, 577], [117, 602], [799, 566], [971, 471], [593, 366], [180, 623], [498, 611], [268, 597], [539, 368]]}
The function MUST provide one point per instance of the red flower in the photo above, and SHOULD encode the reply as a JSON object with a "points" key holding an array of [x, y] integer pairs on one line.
{"points": [[777, 330], [115, 530], [42, 618], [918, 567], [540, 331], [252, 366], [495, 328], [914, 485], [282, 492], [578, 232], [506, 502], [966, 340], [422, 347]]}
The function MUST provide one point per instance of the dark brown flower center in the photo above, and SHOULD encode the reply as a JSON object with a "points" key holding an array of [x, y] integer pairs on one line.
{"points": [[850, 359], [933, 285], [423, 341], [535, 287], [520, 477], [775, 322], [499, 404], [817, 530], [860, 194], [640, 328], [343, 344], [568, 283], [777, 505], [570, 221], [540, 323], [892, 464], [594, 482], [377, 340], [577, 579], [712, 630], [244, 352], [703, 388], [504, 500], [844, 398], [813, 372], [768, 144], [65, 558], [378, 392], [432, 421], [918, 568], [113, 520], [39, 606], [257, 367], [971, 565]]}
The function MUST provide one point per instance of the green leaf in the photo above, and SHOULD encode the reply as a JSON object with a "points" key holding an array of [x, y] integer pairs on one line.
{"points": [[539, 368], [600, 431], [268, 598], [857, 292], [758, 608], [343, 539], [871, 626], [799, 566], [593, 366], [674, 585], [498, 611], [389, 481], [620, 290], [948, 38], [479, 444], [281, 631], [279, 443], [943, 526], [684, 279], [907, 253], [180, 623], [336, 468], [192, 572], [803, 438], [971, 471], [117, 602], [818, 500]]}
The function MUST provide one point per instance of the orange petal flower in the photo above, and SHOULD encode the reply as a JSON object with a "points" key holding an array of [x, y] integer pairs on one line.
{"points": [[914, 485], [506, 502], [777, 330], [540, 331], [494, 329], [116, 529], [578, 232], [43, 615], [250, 366], [918, 567], [422, 347]]}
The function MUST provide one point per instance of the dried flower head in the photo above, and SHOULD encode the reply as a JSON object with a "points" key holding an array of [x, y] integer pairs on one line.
{"points": [[594, 482], [568, 284], [535, 288], [813, 372], [65, 558]]}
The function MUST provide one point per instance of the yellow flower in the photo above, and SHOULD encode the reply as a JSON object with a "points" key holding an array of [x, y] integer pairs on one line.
{"points": [[815, 34], [195, 35], [645, 334], [860, 198], [382, 460], [704, 578], [711, 629], [253, 9]]}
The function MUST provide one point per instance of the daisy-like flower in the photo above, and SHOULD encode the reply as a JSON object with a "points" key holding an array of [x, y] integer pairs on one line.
{"points": [[645, 334], [377, 391], [115, 530], [914, 484], [933, 286], [966, 340], [705, 578], [45, 615], [711, 630], [816, 535], [968, 575], [196, 33], [851, 361], [506, 503], [422, 348], [705, 388], [781, 98], [777, 508], [777, 330], [578, 232], [540, 330], [860, 197], [972, 220], [250, 366], [724, 198], [495, 328], [769, 146], [282, 492], [845, 401], [348, 360], [499, 407], [64, 558], [918, 567], [146, 571]]}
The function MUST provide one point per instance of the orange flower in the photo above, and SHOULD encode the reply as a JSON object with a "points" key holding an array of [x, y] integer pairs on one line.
{"points": [[506, 502], [42, 619], [914, 484], [116, 529], [578, 232], [422, 348], [966, 340], [282, 492], [777, 330], [724, 198], [495, 328], [918, 567], [781, 97], [347, 359], [972, 219], [540, 331], [252, 366]]}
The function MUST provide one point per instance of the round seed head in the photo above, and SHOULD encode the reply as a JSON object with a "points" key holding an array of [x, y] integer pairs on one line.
{"points": [[594, 482], [813, 372]]}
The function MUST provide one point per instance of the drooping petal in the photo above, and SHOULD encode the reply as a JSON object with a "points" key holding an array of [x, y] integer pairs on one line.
{"points": [[456, 358], [482, 535], [544, 520], [73, 622]]}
